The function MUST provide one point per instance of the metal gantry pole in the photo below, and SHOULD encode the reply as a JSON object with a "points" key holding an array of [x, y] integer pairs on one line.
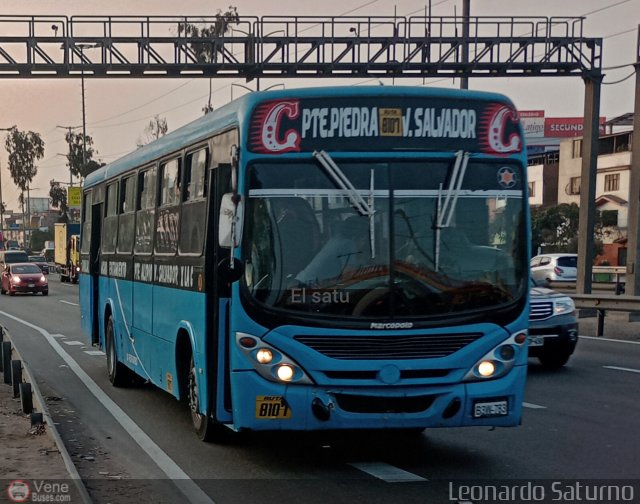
{"points": [[466, 8], [633, 245], [589, 171]]}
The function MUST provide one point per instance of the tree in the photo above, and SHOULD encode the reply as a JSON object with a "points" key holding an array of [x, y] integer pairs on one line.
{"points": [[81, 165], [58, 195], [24, 148], [156, 128], [38, 238], [206, 51], [556, 228]]}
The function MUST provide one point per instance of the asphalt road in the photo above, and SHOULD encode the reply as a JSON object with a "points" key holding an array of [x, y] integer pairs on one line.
{"points": [[580, 422]]}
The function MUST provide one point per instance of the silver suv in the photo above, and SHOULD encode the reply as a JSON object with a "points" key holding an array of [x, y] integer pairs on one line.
{"points": [[554, 267]]}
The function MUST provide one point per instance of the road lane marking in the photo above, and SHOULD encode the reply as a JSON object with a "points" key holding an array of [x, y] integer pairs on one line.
{"points": [[94, 352], [73, 343], [597, 338], [533, 406], [630, 370], [166, 464], [68, 302], [387, 472]]}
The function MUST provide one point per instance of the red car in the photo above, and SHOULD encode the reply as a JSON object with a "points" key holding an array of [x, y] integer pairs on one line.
{"points": [[24, 277]]}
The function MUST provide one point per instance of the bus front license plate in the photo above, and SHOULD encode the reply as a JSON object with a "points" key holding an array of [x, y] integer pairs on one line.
{"points": [[490, 409], [272, 407]]}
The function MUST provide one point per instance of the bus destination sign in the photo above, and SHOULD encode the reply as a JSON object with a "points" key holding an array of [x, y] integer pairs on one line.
{"points": [[296, 125]]}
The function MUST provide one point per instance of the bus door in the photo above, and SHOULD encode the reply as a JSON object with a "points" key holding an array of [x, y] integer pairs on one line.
{"points": [[94, 270], [218, 299]]}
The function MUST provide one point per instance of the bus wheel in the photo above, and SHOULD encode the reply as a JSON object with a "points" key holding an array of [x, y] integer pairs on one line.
{"points": [[119, 374], [206, 429]]}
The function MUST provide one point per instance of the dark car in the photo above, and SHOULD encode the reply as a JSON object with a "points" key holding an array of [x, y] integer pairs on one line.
{"points": [[41, 262], [553, 327], [24, 277]]}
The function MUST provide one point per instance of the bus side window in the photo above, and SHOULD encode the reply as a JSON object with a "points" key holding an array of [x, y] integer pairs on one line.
{"points": [[126, 230], [194, 176], [110, 230], [170, 183], [168, 214], [86, 222], [145, 206], [193, 215]]}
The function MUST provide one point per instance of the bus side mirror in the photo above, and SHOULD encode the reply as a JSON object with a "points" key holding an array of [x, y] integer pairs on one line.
{"points": [[230, 220]]}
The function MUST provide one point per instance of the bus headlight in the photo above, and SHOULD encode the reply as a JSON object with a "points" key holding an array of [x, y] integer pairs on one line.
{"points": [[269, 362], [498, 361], [486, 368], [264, 356], [285, 372]]}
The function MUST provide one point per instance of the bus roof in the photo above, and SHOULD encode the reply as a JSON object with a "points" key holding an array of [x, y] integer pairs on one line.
{"points": [[238, 112]]}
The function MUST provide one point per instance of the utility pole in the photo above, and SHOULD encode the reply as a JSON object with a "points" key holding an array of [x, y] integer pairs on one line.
{"points": [[70, 129]]}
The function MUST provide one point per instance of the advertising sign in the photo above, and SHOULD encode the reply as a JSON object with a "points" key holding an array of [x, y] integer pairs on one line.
{"points": [[567, 127], [74, 197], [532, 123]]}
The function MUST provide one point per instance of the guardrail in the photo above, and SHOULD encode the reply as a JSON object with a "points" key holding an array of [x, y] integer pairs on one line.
{"points": [[606, 302]]}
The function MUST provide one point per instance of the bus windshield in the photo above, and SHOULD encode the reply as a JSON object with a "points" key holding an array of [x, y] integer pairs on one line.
{"points": [[431, 237]]}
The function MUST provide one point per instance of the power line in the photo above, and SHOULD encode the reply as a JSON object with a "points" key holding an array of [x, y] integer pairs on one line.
{"points": [[605, 8], [142, 105], [621, 80]]}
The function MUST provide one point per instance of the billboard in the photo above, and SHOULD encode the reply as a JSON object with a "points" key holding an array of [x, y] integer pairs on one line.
{"points": [[74, 197], [567, 127], [532, 123], [537, 126]]}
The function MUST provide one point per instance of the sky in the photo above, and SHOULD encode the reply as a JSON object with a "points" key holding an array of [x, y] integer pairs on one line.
{"points": [[117, 110]]}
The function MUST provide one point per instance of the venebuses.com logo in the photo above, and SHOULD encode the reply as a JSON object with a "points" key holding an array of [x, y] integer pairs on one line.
{"points": [[38, 491], [18, 491]]}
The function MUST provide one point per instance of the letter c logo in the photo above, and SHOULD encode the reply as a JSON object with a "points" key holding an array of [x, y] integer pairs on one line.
{"points": [[270, 128]]}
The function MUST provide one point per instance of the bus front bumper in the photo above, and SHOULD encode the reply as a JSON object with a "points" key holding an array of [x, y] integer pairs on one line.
{"points": [[262, 405]]}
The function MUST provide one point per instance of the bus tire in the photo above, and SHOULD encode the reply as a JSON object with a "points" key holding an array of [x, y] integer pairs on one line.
{"points": [[119, 374], [206, 428]]}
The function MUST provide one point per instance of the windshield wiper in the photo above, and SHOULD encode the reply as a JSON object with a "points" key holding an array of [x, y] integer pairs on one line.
{"points": [[446, 210], [343, 182]]}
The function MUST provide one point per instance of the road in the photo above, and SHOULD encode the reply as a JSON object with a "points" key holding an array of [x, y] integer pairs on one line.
{"points": [[580, 422]]}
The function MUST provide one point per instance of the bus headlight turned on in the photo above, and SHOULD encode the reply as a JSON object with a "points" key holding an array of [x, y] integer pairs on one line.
{"points": [[269, 362], [499, 360]]}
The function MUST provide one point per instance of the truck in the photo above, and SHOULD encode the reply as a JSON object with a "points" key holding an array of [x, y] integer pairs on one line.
{"points": [[67, 251]]}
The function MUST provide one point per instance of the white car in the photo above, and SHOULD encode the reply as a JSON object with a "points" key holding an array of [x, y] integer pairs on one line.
{"points": [[560, 267]]}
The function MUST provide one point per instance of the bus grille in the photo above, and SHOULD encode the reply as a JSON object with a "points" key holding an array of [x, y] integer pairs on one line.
{"points": [[374, 404], [540, 311], [388, 347]]}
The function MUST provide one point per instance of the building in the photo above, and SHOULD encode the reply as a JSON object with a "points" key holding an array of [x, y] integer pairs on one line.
{"points": [[612, 186]]}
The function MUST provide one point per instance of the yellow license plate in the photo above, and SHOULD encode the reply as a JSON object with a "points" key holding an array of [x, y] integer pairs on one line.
{"points": [[272, 407]]}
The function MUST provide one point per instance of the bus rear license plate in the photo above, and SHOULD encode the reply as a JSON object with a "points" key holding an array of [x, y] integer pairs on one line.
{"points": [[272, 407], [536, 340], [490, 409]]}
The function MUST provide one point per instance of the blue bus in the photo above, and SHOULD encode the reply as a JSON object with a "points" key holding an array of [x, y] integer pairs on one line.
{"points": [[325, 258]]}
